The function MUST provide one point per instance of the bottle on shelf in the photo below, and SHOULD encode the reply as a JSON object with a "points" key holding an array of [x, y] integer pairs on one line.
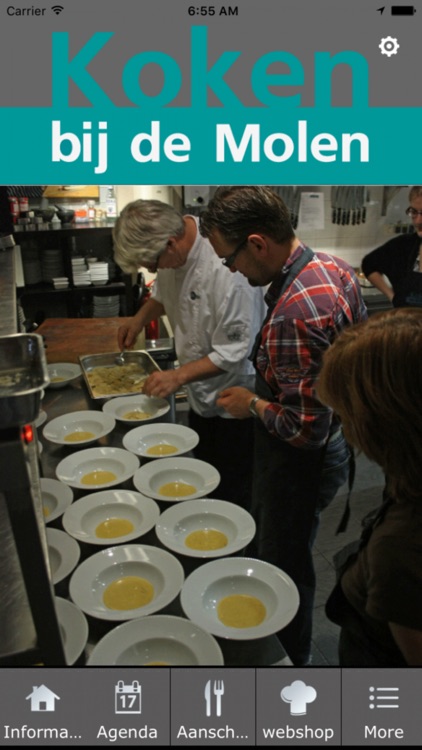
{"points": [[91, 211], [81, 214], [111, 203]]}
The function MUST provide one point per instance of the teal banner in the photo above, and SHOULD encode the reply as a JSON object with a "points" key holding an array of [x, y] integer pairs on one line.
{"points": [[210, 145]]}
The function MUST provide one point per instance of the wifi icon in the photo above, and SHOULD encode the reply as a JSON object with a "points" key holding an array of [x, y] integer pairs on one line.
{"points": [[57, 9]]}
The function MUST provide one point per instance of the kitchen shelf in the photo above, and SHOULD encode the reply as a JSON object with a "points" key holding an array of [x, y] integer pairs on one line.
{"points": [[85, 239], [46, 288], [68, 230]]}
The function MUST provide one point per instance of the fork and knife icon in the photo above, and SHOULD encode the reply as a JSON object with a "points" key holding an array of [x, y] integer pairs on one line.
{"points": [[217, 689]]}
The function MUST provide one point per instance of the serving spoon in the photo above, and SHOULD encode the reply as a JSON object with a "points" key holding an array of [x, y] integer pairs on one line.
{"points": [[120, 360]]}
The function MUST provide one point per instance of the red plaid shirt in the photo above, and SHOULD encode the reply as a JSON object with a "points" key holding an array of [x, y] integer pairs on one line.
{"points": [[323, 299]]}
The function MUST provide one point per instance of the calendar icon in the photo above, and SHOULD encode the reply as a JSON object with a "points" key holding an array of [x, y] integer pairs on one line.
{"points": [[127, 698]]}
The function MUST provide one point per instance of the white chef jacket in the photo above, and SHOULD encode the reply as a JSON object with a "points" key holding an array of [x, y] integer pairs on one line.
{"points": [[213, 313]]}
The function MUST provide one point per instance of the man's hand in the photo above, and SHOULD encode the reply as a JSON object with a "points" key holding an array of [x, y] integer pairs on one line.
{"points": [[126, 335], [162, 384], [236, 401]]}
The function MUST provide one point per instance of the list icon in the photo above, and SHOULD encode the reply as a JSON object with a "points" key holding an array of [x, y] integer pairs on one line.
{"points": [[383, 697]]}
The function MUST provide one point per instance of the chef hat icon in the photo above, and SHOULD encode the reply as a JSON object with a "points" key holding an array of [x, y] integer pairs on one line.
{"points": [[298, 694]]}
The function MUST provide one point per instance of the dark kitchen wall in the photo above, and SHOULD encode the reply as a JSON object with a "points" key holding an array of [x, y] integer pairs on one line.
{"points": [[6, 223]]}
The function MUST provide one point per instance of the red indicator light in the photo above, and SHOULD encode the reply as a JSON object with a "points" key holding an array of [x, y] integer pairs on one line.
{"points": [[27, 434]]}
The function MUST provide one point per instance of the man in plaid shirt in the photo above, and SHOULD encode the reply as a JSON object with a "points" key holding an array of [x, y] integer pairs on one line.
{"points": [[300, 458]]}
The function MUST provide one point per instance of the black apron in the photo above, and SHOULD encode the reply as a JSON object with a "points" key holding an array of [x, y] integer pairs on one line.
{"points": [[409, 291], [285, 497]]}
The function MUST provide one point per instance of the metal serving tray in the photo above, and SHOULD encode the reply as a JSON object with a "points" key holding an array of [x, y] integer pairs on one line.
{"points": [[90, 362]]}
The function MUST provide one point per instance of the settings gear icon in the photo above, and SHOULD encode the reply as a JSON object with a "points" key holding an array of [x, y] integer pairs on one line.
{"points": [[389, 46]]}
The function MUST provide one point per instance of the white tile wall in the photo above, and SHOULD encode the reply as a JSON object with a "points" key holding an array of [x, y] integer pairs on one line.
{"points": [[352, 242]]}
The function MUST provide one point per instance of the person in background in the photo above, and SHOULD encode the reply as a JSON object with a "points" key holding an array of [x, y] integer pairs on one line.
{"points": [[400, 260], [214, 317], [312, 297], [370, 378]]}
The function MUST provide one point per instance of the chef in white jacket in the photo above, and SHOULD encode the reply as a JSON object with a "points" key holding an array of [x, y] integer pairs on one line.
{"points": [[215, 316]]}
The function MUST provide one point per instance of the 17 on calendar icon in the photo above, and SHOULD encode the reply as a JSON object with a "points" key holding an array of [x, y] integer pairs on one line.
{"points": [[127, 698]]}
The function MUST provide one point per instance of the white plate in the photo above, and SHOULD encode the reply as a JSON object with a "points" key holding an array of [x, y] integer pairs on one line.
{"points": [[83, 517], [95, 422], [42, 417], [89, 581], [73, 629], [213, 581], [56, 497], [140, 440], [180, 520], [116, 461], [163, 639], [122, 405], [65, 372], [199, 474], [64, 553]]}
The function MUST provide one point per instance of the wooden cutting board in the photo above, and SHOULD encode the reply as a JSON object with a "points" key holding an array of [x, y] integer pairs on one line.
{"points": [[67, 339]]}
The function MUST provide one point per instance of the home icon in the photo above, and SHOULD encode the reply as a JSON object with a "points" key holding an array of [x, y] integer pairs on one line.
{"points": [[42, 699]]}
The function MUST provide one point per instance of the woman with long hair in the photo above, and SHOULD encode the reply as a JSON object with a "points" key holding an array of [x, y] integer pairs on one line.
{"points": [[371, 377]]}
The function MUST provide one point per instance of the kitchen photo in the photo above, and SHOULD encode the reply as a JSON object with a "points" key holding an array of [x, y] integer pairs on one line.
{"points": [[209, 425]]}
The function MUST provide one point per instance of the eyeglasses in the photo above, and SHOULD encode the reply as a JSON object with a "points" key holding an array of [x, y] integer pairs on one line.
{"points": [[230, 259], [151, 267], [413, 213]]}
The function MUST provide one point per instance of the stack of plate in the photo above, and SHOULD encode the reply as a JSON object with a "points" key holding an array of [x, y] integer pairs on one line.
{"points": [[82, 279], [99, 273], [79, 263], [60, 282], [105, 307], [52, 264], [31, 266], [80, 272]]}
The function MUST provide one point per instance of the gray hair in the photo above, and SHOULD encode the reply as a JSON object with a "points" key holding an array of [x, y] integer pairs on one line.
{"points": [[142, 231]]}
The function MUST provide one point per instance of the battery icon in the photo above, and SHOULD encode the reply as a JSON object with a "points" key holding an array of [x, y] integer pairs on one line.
{"points": [[403, 10]]}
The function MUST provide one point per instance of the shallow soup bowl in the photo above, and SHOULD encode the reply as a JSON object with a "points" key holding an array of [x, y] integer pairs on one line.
{"points": [[114, 516], [97, 468], [157, 640], [136, 409], [176, 479], [240, 598], [160, 440], [205, 528], [79, 428], [62, 374], [126, 582]]}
